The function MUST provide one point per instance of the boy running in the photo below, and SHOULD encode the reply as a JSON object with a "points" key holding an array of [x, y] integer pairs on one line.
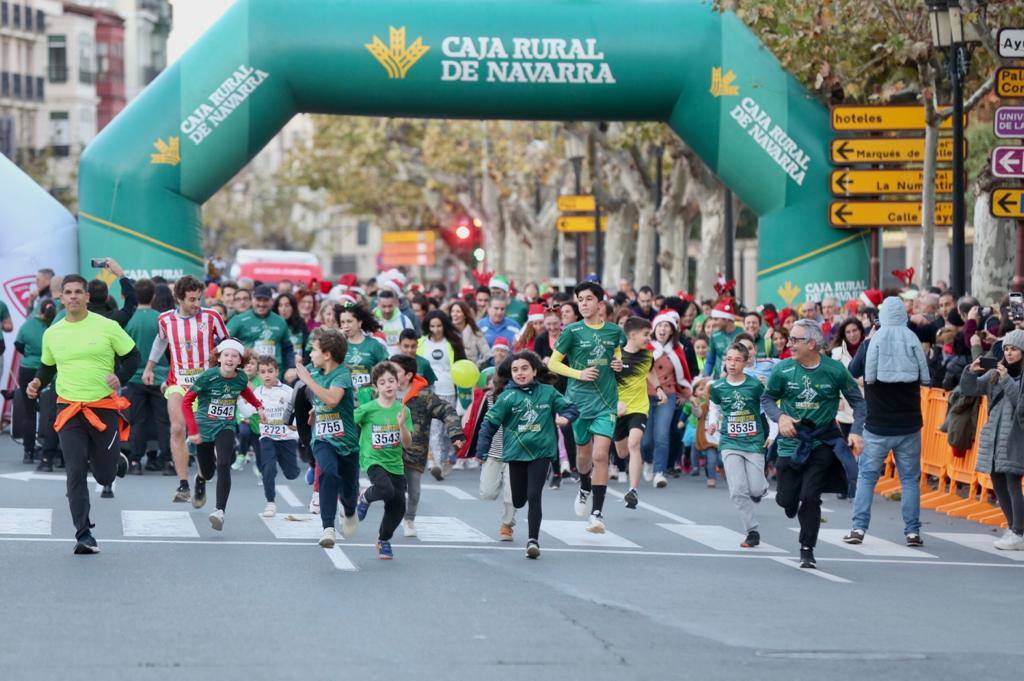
{"points": [[278, 438]]}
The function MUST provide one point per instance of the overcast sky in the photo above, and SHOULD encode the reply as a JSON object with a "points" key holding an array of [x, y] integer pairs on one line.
{"points": [[191, 19]]}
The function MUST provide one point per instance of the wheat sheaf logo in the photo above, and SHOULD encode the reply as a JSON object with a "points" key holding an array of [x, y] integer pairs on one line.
{"points": [[722, 84], [168, 153], [397, 58]]}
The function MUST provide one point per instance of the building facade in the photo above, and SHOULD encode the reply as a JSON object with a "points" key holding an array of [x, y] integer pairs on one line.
{"points": [[23, 64]]}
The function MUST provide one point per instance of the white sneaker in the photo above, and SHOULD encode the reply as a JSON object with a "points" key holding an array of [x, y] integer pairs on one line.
{"points": [[239, 463], [565, 468], [596, 525], [217, 520], [270, 511], [409, 526], [1010, 542], [327, 538], [581, 505], [660, 480], [459, 465], [314, 503], [472, 463], [648, 472], [349, 525]]}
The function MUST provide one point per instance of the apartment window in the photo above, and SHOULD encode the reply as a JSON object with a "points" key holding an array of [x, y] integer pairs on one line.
{"points": [[39, 88], [16, 82], [362, 233], [60, 133], [40, 21], [28, 18], [5, 14], [344, 263], [58, 54], [5, 84], [30, 89], [17, 16], [86, 50], [102, 60]]}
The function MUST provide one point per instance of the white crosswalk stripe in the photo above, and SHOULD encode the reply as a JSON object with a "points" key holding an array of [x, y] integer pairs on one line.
{"points": [[574, 533], [872, 546], [295, 526], [158, 524], [340, 560], [717, 537], [448, 529], [977, 541], [35, 521], [286, 494]]}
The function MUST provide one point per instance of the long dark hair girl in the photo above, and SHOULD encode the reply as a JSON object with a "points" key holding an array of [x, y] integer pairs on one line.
{"points": [[448, 331], [294, 320], [503, 374], [367, 322]]}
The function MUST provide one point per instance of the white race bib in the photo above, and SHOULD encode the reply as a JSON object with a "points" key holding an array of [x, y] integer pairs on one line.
{"points": [[186, 377], [360, 380], [265, 347], [741, 425], [275, 431], [384, 437], [221, 411], [328, 425]]}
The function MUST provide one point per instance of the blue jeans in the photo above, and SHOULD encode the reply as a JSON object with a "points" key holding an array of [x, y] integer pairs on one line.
{"points": [[906, 450], [711, 461], [272, 453], [657, 438], [339, 476]]}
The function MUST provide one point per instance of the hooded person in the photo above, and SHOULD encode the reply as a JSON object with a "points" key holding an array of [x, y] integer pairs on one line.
{"points": [[895, 354]]}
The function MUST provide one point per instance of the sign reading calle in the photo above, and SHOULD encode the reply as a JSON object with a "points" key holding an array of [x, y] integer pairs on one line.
{"points": [[881, 118], [579, 223], [885, 213], [888, 150], [1008, 203], [577, 203], [870, 182]]}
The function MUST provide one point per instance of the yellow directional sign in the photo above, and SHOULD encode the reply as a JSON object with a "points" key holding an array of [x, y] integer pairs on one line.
{"points": [[1010, 82], [864, 182], [577, 203], [880, 118], [1008, 203], [885, 213], [886, 150], [579, 223], [409, 236]]}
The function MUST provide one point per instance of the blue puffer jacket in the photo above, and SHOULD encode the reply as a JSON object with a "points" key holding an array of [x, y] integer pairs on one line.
{"points": [[895, 354]]}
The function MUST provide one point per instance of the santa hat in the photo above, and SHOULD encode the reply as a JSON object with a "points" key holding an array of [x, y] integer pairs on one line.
{"points": [[212, 291], [770, 316], [466, 291], [394, 285], [501, 342], [725, 309], [499, 281], [536, 313], [394, 275], [871, 298], [348, 281], [669, 316]]}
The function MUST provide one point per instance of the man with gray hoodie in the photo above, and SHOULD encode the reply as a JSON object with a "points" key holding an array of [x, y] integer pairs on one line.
{"points": [[894, 368]]}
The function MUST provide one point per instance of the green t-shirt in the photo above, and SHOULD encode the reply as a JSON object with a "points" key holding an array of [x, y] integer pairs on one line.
{"points": [[517, 310], [740, 427], [263, 335], [380, 439], [142, 327], [5, 314], [335, 426], [808, 393], [424, 369], [84, 354], [218, 401], [720, 341], [632, 380], [31, 335], [527, 418], [586, 346], [362, 357]]}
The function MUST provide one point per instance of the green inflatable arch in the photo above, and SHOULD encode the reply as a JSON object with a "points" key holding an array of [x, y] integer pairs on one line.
{"points": [[144, 179]]}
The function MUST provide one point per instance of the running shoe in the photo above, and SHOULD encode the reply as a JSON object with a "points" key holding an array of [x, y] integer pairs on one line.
{"points": [[169, 471], [362, 506], [409, 528], [459, 465], [914, 539], [135, 468], [314, 503], [44, 466], [217, 520], [384, 551], [752, 540], [631, 498], [446, 468], [556, 481], [310, 475], [349, 525], [712, 483], [648, 472], [28, 458], [660, 480], [1011, 541], [239, 463], [108, 492], [327, 538], [199, 495], [613, 472], [505, 532], [270, 510], [582, 504], [182, 495], [566, 470], [122, 465], [596, 524], [435, 470], [855, 537], [86, 545], [532, 549], [807, 558]]}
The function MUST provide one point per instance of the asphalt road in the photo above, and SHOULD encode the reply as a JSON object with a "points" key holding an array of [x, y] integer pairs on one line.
{"points": [[667, 593]]}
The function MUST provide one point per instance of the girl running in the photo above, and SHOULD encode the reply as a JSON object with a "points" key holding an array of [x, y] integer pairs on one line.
{"points": [[526, 411], [364, 352], [212, 430], [383, 433]]}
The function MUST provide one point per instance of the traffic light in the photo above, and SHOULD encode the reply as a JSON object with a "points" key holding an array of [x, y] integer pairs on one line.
{"points": [[463, 236]]}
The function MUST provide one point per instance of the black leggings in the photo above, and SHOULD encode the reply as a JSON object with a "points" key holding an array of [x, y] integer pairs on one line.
{"points": [[570, 447], [390, 489], [1011, 499], [527, 481], [28, 414], [216, 458], [302, 409]]}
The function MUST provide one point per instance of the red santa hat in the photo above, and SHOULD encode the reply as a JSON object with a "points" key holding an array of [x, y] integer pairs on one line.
{"points": [[501, 342], [536, 313], [668, 316], [872, 298], [725, 309], [466, 291]]}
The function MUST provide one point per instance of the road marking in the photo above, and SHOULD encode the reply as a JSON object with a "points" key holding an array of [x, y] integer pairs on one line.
{"points": [[979, 542], [448, 529], [790, 562], [574, 533], [770, 496], [295, 525], [158, 524], [717, 537], [872, 546], [340, 560], [454, 491], [37, 521], [289, 497], [653, 509]]}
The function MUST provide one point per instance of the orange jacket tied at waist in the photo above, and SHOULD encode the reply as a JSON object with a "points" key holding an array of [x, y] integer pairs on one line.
{"points": [[114, 401]]}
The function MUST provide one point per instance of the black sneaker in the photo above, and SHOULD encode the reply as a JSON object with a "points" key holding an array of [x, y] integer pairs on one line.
{"points": [[198, 492], [169, 470], [44, 466], [135, 468], [86, 545], [532, 549], [122, 465], [807, 558], [752, 540], [556, 481], [631, 498], [153, 465], [29, 457], [914, 539], [855, 537], [108, 492]]}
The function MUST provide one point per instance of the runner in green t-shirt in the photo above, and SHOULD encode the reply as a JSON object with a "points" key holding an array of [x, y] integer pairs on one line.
{"points": [[149, 406], [736, 413], [213, 425], [364, 352], [29, 343], [589, 354], [383, 432], [335, 436], [263, 331]]}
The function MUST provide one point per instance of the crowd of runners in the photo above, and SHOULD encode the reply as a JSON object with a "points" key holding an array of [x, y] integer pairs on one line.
{"points": [[536, 388]]}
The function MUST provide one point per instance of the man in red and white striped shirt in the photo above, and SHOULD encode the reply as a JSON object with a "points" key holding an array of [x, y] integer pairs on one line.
{"points": [[192, 332]]}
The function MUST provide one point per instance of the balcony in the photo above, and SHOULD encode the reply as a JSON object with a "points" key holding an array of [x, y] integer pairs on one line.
{"points": [[57, 73]]}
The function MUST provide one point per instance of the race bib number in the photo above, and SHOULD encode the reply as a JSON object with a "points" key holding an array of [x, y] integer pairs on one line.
{"points": [[187, 377], [741, 426], [265, 347], [384, 437], [360, 380], [276, 431], [328, 425], [221, 411]]}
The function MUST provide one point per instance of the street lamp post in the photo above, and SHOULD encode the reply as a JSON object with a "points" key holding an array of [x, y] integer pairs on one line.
{"points": [[947, 30], [574, 152]]}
